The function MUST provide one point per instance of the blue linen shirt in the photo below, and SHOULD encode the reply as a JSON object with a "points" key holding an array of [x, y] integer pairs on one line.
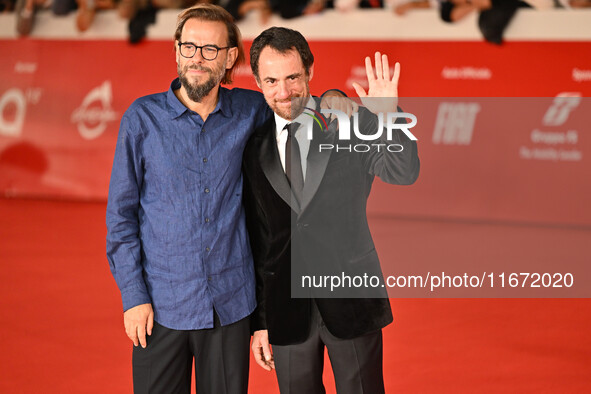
{"points": [[176, 236]]}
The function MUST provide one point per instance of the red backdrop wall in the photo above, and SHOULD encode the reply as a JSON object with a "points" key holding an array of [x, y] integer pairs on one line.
{"points": [[510, 157]]}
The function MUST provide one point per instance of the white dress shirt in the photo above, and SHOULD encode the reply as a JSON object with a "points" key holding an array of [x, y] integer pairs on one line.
{"points": [[303, 142]]}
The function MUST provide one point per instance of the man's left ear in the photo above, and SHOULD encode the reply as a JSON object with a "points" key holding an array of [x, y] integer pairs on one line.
{"points": [[232, 56], [311, 72]]}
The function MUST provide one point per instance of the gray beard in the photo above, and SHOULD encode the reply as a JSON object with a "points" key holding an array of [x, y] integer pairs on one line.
{"points": [[197, 92]]}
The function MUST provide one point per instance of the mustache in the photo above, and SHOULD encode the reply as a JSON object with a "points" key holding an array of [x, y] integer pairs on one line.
{"points": [[197, 67], [296, 99]]}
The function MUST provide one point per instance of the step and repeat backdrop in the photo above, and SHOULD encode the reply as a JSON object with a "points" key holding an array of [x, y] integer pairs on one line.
{"points": [[503, 130]]}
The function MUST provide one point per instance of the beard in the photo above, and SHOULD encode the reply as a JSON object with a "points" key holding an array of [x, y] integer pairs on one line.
{"points": [[197, 91], [298, 104]]}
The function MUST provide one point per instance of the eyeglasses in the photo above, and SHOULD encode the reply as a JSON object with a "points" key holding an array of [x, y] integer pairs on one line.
{"points": [[208, 52]]}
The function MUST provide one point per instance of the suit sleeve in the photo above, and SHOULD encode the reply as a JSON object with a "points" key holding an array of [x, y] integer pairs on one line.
{"points": [[123, 242], [257, 228], [394, 161]]}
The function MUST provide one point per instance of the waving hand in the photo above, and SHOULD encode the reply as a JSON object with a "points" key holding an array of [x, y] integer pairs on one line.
{"points": [[381, 86]]}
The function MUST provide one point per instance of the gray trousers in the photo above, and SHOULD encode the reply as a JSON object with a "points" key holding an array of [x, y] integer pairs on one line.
{"points": [[356, 363]]}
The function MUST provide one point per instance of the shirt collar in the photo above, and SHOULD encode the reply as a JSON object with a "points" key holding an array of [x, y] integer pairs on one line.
{"points": [[280, 124], [178, 108], [224, 103]]}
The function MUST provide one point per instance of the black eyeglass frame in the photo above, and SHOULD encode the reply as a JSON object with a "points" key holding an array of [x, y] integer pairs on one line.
{"points": [[200, 48]]}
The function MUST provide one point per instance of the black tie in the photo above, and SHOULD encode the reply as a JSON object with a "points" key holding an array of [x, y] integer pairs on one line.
{"points": [[293, 161]]}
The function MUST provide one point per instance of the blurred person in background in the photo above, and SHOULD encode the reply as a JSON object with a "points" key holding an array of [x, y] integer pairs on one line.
{"points": [[494, 18], [87, 10], [142, 13], [26, 11], [295, 8], [292, 9], [240, 8], [493, 15], [349, 5], [7, 5], [579, 3], [285, 9], [456, 9], [450, 11]]}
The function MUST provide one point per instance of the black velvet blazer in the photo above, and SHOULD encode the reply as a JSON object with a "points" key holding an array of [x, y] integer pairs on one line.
{"points": [[325, 234]]}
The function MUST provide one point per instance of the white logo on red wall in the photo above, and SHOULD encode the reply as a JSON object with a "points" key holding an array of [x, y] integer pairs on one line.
{"points": [[13, 107], [454, 124], [557, 140], [478, 73], [581, 75], [563, 104], [95, 112]]}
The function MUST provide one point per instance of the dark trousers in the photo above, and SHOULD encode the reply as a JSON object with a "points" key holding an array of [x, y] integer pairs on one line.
{"points": [[356, 363], [221, 360]]}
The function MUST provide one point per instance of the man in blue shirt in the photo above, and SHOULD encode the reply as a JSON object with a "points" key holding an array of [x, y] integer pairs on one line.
{"points": [[177, 243]]}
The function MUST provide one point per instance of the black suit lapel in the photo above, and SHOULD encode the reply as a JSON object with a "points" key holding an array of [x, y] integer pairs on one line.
{"points": [[317, 160], [271, 165]]}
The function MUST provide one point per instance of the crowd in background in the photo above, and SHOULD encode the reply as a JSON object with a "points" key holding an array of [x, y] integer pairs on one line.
{"points": [[493, 15]]}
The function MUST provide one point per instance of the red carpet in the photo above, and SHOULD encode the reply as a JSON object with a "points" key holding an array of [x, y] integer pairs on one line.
{"points": [[61, 326]]}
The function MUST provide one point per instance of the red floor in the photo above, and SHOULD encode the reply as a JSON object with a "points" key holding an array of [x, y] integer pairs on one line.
{"points": [[61, 326]]}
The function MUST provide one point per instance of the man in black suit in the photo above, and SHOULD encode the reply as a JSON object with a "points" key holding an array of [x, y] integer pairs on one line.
{"points": [[306, 213]]}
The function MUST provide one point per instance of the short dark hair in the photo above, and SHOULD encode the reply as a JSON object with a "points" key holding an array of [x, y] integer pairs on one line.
{"points": [[214, 13], [282, 40]]}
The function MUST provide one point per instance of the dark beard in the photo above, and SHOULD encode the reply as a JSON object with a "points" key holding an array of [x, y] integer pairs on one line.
{"points": [[197, 92], [298, 104]]}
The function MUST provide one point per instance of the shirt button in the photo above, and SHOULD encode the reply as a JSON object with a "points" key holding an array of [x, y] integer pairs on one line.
{"points": [[205, 159], [207, 249], [206, 220], [209, 278], [206, 190], [203, 130]]}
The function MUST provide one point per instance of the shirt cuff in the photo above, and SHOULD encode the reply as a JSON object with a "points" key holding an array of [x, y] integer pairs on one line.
{"points": [[134, 297]]}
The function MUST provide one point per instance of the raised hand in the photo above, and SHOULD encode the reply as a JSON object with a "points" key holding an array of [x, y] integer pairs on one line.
{"points": [[381, 86]]}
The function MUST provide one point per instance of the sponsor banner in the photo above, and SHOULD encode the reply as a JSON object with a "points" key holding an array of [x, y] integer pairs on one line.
{"points": [[60, 106], [505, 159], [61, 101]]}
